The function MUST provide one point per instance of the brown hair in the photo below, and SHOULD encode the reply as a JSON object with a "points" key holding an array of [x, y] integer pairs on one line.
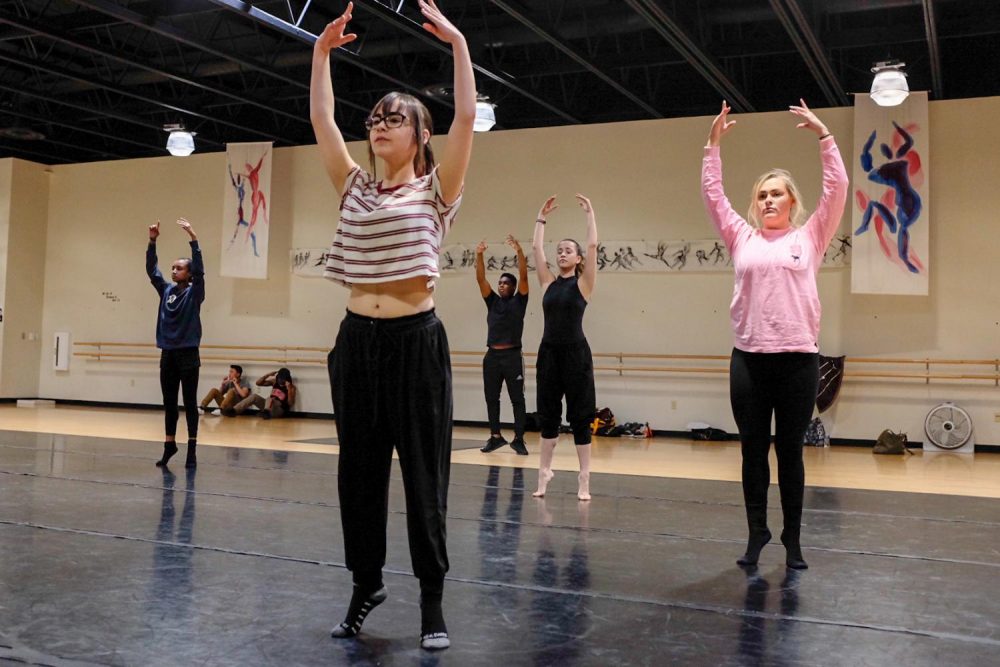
{"points": [[420, 118], [578, 269], [796, 214]]}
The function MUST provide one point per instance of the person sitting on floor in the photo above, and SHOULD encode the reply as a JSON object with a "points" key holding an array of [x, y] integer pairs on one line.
{"points": [[232, 390], [279, 403]]}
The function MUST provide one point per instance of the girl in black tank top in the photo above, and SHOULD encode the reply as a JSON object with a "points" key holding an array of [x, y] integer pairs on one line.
{"points": [[565, 365]]}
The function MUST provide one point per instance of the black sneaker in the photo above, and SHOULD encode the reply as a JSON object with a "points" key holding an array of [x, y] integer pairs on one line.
{"points": [[517, 444], [493, 444]]}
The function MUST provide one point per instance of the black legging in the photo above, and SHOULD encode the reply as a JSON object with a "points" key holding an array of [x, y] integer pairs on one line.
{"points": [[784, 384], [179, 369]]}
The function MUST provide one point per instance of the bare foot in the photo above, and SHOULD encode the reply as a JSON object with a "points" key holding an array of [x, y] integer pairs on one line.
{"points": [[545, 476], [584, 480]]}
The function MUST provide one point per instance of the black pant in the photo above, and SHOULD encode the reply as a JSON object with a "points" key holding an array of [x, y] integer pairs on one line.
{"points": [[784, 384], [501, 366], [391, 386], [179, 369], [566, 370]]}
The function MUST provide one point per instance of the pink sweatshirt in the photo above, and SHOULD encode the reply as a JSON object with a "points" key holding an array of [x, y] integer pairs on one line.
{"points": [[775, 305]]}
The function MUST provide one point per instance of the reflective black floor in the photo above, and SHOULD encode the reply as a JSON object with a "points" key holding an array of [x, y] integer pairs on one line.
{"points": [[104, 559]]}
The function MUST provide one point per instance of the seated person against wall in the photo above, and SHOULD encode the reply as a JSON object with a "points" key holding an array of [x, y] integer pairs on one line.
{"points": [[279, 403], [231, 391]]}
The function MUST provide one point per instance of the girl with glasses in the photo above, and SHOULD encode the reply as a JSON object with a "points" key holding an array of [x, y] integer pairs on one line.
{"points": [[390, 371]]}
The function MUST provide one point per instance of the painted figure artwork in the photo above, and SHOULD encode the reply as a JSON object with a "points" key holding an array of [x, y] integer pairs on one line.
{"points": [[246, 231], [624, 257], [890, 242], [899, 208]]}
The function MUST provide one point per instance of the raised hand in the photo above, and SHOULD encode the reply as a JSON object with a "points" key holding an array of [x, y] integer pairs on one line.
{"points": [[437, 24], [809, 119], [481, 248], [186, 226], [154, 231], [547, 208], [513, 243], [333, 36], [720, 125], [584, 203]]}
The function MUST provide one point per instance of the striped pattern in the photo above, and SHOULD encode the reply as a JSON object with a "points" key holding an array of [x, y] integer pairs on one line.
{"points": [[386, 235]]}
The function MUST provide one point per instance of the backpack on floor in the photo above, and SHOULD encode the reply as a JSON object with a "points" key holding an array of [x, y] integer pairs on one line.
{"points": [[890, 442], [816, 434], [604, 421]]}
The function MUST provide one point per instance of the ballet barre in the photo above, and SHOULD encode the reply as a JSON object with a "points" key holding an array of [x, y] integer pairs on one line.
{"points": [[620, 363]]}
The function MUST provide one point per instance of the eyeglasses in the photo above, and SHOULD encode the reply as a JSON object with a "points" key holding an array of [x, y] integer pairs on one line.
{"points": [[392, 120]]}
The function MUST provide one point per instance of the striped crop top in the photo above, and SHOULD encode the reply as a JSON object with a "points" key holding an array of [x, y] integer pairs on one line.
{"points": [[389, 234]]}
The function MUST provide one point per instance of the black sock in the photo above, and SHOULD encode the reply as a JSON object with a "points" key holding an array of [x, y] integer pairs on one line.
{"points": [[793, 551], [433, 631], [192, 454], [169, 449], [755, 544], [362, 602]]}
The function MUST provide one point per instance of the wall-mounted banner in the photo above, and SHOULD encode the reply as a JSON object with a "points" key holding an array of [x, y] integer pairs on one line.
{"points": [[612, 257], [246, 221], [891, 200]]}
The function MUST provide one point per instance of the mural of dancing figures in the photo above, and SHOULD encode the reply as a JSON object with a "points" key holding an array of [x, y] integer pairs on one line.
{"points": [[891, 220], [247, 212]]}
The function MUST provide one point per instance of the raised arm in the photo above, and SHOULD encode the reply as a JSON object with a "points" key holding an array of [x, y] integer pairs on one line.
{"points": [[152, 270], [484, 287], [824, 221], [727, 222], [266, 380], [458, 147], [332, 149], [522, 265], [545, 277], [197, 261], [589, 275]]}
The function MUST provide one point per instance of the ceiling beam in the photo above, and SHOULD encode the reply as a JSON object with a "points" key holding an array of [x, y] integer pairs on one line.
{"points": [[549, 37], [291, 30], [167, 30], [58, 121], [54, 70], [811, 51], [937, 85], [672, 32], [62, 38], [417, 30]]}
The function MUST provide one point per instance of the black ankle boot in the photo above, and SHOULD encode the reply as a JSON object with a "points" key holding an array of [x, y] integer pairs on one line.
{"points": [[169, 449], [192, 454], [362, 602], [759, 534]]}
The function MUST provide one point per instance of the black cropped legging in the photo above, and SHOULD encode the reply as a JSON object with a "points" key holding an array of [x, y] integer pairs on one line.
{"points": [[179, 369], [783, 384]]}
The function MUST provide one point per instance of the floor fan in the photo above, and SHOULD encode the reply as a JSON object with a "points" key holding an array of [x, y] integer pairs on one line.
{"points": [[949, 429]]}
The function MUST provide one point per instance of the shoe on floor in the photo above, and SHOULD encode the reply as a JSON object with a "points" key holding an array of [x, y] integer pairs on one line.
{"points": [[217, 412], [517, 444], [493, 444]]}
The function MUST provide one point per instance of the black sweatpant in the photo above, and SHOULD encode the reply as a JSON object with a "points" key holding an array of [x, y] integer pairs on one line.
{"points": [[179, 369], [391, 386], [501, 366], [783, 384], [566, 369]]}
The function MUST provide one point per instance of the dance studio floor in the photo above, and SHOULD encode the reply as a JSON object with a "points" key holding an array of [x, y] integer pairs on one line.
{"points": [[106, 559]]}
